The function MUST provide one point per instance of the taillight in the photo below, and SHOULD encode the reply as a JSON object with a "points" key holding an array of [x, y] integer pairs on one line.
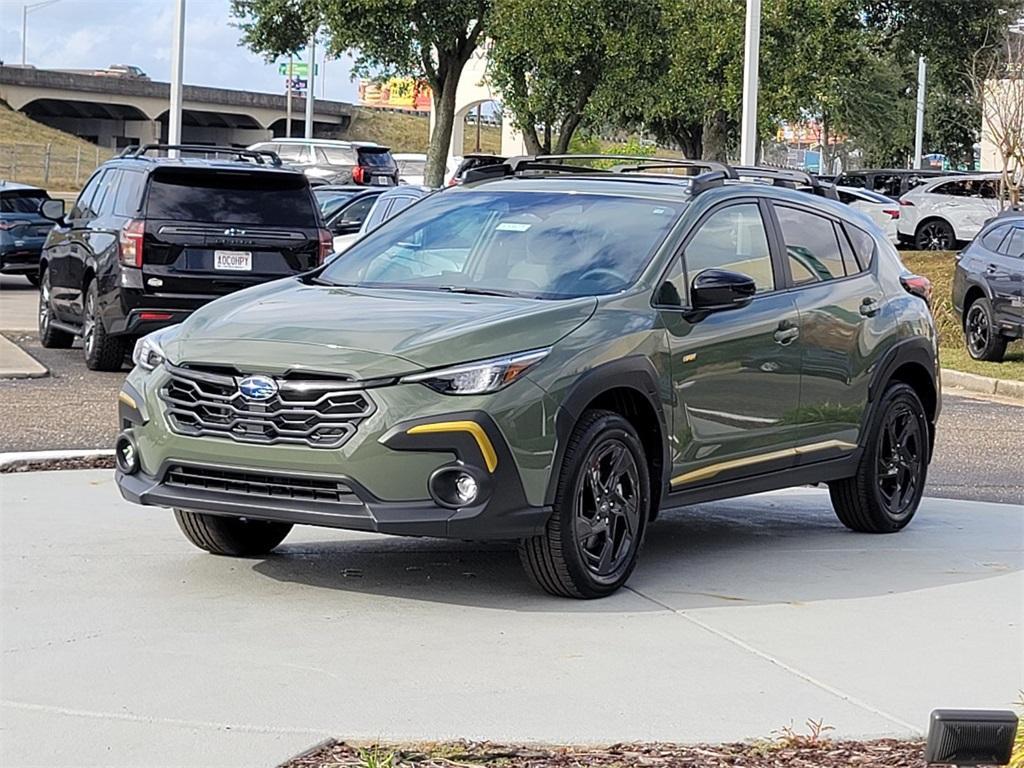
{"points": [[326, 245], [919, 285], [132, 235], [358, 175], [894, 213], [9, 224]]}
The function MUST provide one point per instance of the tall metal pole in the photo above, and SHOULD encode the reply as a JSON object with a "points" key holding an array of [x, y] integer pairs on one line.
{"points": [[309, 86], [922, 76], [288, 100], [24, 34], [751, 54], [177, 73]]}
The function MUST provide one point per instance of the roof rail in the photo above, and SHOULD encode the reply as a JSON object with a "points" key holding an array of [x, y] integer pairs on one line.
{"points": [[787, 177], [259, 156]]}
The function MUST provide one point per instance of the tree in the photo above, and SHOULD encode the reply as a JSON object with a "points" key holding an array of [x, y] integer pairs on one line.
{"points": [[418, 38], [557, 64]]}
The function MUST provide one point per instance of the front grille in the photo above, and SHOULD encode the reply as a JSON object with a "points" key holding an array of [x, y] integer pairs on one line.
{"points": [[317, 412], [261, 484]]}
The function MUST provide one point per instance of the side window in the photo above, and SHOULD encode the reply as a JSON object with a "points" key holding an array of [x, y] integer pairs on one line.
{"points": [[358, 210], [129, 193], [291, 153], [378, 214], [988, 190], [889, 185], [863, 245], [952, 188], [812, 248], [733, 238], [855, 181], [81, 209], [1014, 244], [992, 239], [103, 203], [336, 155]]}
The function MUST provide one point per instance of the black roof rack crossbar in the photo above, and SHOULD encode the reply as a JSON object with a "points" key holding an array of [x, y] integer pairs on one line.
{"points": [[523, 162], [788, 177], [261, 156]]}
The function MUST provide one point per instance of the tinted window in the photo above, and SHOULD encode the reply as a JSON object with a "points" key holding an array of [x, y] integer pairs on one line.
{"points": [[330, 202], [82, 208], [863, 245], [358, 210], [376, 159], [290, 153], [337, 155], [733, 238], [855, 181], [539, 244], [22, 201], [103, 203], [1014, 244], [953, 188], [231, 197], [129, 193], [994, 237], [888, 184], [811, 246]]}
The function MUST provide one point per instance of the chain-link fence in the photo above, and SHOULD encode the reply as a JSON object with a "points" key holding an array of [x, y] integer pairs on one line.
{"points": [[50, 165]]}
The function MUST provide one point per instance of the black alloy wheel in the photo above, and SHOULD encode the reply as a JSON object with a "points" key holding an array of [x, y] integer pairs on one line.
{"points": [[901, 450], [983, 340], [935, 235]]}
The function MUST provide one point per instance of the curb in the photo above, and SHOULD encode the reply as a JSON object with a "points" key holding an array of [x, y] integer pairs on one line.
{"points": [[329, 742], [987, 385], [13, 458]]}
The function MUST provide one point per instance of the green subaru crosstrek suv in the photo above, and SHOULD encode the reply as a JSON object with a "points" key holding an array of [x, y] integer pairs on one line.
{"points": [[551, 353]]}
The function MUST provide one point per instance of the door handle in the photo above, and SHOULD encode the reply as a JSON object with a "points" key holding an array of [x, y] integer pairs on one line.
{"points": [[869, 307], [786, 334], [991, 269]]}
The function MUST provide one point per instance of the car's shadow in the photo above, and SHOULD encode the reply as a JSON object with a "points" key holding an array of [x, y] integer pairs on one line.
{"points": [[770, 549]]}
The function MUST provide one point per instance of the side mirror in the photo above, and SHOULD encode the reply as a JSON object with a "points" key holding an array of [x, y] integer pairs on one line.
{"points": [[52, 210], [345, 227], [717, 289]]}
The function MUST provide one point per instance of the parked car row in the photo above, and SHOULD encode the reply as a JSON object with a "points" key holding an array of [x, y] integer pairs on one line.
{"points": [[23, 229]]}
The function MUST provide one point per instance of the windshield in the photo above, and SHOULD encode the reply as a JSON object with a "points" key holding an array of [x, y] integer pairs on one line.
{"points": [[331, 200], [536, 244]]}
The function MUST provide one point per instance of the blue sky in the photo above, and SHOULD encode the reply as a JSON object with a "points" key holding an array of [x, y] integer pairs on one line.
{"points": [[92, 34]]}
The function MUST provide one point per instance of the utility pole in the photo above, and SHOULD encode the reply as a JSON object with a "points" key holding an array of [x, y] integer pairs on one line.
{"points": [[309, 85], [751, 54], [177, 73], [288, 99], [26, 9], [922, 76]]}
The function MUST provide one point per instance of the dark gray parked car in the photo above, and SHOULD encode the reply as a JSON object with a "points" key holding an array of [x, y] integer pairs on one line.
{"points": [[23, 229], [988, 287]]}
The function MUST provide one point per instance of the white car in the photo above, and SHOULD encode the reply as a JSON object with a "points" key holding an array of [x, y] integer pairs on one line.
{"points": [[411, 167], [943, 212], [882, 210], [384, 206]]}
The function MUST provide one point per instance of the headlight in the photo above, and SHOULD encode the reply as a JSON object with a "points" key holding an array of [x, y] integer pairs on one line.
{"points": [[149, 352], [481, 377]]}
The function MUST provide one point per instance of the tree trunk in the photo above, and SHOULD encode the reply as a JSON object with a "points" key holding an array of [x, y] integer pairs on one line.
{"points": [[444, 120], [825, 165], [716, 136]]}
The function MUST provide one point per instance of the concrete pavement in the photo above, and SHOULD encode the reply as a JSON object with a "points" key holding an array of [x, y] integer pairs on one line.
{"points": [[19, 304], [122, 645]]}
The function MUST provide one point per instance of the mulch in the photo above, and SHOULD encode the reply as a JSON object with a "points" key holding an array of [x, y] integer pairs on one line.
{"points": [[788, 751], [50, 465]]}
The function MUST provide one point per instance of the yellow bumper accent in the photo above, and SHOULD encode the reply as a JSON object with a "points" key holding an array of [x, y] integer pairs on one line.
{"points": [[704, 473], [127, 399], [482, 440]]}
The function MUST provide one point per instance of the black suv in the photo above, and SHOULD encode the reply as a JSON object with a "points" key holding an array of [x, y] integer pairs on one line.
{"points": [[891, 182], [337, 162], [988, 287], [153, 237], [22, 229]]}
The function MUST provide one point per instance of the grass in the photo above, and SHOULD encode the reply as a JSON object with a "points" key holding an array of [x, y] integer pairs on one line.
{"points": [[410, 133], [938, 266]]}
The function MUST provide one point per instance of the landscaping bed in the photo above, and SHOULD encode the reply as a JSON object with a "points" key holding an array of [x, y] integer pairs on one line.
{"points": [[938, 266]]}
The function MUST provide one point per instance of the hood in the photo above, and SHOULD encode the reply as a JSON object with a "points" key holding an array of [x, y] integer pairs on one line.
{"points": [[366, 332]]}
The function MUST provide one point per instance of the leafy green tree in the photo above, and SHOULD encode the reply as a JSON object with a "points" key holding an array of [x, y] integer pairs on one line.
{"points": [[419, 38], [556, 62]]}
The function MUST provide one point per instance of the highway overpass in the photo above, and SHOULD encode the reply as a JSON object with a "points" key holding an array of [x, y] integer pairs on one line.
{"points": [[117, 112]]}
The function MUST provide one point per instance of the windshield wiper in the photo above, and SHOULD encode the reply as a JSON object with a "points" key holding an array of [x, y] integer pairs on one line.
{"points": [[475, 291]]}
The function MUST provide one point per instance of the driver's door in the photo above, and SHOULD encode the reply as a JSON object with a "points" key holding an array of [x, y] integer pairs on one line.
{"points": [[735, 372]]}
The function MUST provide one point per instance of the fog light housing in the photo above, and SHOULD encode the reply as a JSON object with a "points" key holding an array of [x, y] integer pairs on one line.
{"points": [[126, 454], [458, 485]]}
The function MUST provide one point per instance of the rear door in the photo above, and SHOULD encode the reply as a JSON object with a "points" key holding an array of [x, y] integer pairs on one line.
{"points": [[1004, 273], [212, 231]]}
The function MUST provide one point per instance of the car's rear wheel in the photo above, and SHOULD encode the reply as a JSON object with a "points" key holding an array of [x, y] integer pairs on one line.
{"points": [[980, 333], [935, 235], [33, 277], [50, 337], [884, 494], [591, 542], [102, 351], [233, 536]]}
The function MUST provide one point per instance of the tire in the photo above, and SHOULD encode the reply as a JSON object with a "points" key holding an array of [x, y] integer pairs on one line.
{"points": [[590, 544], [102, 352], [935, 235], [884, 494], [980, 335], [33, 277], [50, 337], [232, 536]]}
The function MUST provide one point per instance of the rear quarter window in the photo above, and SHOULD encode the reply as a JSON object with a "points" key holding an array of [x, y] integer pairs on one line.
{"points": [[231, 197], [863, 245]]}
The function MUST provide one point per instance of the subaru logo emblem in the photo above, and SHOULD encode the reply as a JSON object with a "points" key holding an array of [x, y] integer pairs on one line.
{"points": [[232, 232], [257, 387]]}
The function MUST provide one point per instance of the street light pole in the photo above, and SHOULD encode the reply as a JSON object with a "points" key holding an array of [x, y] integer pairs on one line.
{"points": [[25, 11], [751, 54], [177, 72], [922, 76], [309, 86]]}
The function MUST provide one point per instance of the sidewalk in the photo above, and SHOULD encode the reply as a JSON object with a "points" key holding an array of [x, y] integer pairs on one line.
{"points": [[16, 363]]}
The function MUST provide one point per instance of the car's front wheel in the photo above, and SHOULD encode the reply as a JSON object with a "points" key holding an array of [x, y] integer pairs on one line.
{"points": [[935, 235], [980, 333], [234, 536], [591, 542], [884, 494]]}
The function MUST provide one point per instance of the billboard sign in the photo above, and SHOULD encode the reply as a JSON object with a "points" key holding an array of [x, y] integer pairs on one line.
{"points": [[396, 93]]}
